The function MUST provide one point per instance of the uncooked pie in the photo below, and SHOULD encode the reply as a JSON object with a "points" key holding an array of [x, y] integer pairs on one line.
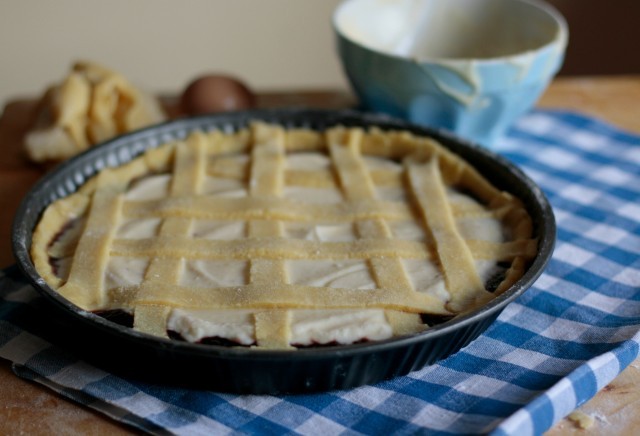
{"points": [[282, 238]]}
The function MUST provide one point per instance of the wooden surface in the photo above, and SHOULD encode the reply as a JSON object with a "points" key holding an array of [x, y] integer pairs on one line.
{"points": [[27, 408]]}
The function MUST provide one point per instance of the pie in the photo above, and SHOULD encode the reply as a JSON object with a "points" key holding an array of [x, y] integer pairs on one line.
{"points": [[283, 238]]}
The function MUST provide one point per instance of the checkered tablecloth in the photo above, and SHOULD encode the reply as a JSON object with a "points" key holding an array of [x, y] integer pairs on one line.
{"points": [[549, 351]]}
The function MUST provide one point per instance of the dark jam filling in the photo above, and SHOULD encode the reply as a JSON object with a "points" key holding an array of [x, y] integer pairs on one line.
{"points": [[206, 341], [54, 262], [432, 320], [330, 344], [227, 343], [496, 279], [67, 226], [118, 316], [55, 266]]}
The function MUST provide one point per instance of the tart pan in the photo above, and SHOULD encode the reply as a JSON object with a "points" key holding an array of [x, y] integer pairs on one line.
{"points": [[244, 370]]}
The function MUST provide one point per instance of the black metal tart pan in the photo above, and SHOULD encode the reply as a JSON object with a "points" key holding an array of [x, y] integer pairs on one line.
{"points": [[241, 370]]}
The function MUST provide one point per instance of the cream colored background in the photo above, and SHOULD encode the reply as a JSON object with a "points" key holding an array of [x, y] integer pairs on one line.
{"points": [[162, 44]]}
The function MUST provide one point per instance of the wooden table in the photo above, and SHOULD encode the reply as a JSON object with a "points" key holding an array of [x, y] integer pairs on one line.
{"points": [[29, 408]]}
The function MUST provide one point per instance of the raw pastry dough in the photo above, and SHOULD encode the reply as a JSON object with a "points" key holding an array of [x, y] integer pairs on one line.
{"points": [[91, 105]]}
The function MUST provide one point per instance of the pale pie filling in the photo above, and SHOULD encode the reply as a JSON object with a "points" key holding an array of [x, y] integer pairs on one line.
{"points": [[308, 327]]}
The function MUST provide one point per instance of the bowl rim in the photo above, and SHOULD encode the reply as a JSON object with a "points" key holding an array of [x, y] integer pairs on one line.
{"points": [[558, 42]]}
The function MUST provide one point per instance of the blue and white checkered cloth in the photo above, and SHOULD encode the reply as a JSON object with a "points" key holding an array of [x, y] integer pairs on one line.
{"points": [[549, 351]]}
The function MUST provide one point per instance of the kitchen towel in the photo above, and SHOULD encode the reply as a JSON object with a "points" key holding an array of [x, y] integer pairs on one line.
{"points": [[549, 351]]}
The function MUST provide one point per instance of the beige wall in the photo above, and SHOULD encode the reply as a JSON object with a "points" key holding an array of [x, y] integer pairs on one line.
{"points": [[162, 44]]}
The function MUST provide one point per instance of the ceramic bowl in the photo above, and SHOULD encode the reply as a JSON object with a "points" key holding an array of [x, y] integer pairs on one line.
{"points": [[469, 66]]}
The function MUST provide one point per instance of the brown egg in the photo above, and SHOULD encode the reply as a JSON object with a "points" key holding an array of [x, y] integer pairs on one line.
{"points": [[216, 93]]}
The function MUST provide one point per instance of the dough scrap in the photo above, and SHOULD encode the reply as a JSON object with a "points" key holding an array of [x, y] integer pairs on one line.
{"points": [[90, 105]]}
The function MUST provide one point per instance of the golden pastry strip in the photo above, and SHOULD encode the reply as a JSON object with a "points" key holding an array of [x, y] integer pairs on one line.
{"points": [[287, 296], [152, 319], [456, 259], [273, 329], [189, 173], [204, 207], [282, 209], [357, 184], [84, 285], [232, 169], [267, 181], [274, 248]]}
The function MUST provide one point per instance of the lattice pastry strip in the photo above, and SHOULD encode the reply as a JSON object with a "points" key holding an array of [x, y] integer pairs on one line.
{"points": [[292, 249], [288, 296], [427, 176], [188, 176], [455, 258], [265, 208], [358, 185], [84, 285], [267, 181]]}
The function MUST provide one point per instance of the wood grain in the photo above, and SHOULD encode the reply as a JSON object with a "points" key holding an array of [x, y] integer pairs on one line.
{"points": [[614, 99], [32, 409]]}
